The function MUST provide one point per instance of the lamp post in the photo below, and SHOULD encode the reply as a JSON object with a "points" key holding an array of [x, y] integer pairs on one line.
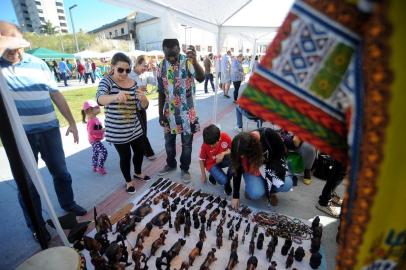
{"points": [[73, 26], [60, 37]]}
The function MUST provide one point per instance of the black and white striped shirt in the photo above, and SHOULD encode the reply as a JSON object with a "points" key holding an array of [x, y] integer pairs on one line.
{"points": [[122, 124]]}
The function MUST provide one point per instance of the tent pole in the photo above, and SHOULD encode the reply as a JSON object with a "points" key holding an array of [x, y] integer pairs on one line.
{"points": [[27, 157], [218, 41]]}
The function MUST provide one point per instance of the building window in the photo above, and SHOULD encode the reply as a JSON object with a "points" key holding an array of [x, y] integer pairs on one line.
{"points": [[38, 3], [209, 48], [198, 48], [122, 31], [42, 19], [39, 10], [63, 24], [110, 34], [23, 5], [25, 12], [59, 4], [62, 18], [29, 25], [60, 10]]}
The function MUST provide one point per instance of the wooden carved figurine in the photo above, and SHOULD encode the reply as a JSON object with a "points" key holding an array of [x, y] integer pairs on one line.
{"points": [[289, 260], [286, 246], [234, 244], [211, 257], [243, 238], [177, 224], [158, 242], [231, 233], [270, 250], [232, 262], [160, 262], [299, 254], [315, 245], [202, 233], [315, 260], [195, 252], [252, 248], [260, 241], [184, 266], [272, 266], [161, 219], [138, 258], [145, 232], [252, 263], [219, 241]]}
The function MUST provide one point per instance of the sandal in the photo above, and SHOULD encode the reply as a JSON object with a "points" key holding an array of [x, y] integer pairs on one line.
{"points": [[329, 210], [145, 178], [130, 188]]}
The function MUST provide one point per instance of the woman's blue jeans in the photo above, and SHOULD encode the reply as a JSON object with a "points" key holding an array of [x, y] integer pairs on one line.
{"points": [[255, 188]]}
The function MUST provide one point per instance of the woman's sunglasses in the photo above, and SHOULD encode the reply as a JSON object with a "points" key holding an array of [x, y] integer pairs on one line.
{"points": [[121, 70]]}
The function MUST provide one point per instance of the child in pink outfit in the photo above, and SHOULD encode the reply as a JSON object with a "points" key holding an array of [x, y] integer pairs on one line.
{"points": [[95, 133]]}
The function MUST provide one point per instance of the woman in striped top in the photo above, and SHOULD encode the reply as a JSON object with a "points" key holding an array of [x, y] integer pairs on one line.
{"points": [[122, 98]]}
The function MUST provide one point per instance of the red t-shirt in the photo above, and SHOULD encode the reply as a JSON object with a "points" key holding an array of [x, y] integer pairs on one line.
{"points": [[208, 153]]}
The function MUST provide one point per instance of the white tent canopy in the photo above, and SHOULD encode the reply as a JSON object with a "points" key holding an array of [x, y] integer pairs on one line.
{"points": [[87, 54], [155, 53], [249, 19]]}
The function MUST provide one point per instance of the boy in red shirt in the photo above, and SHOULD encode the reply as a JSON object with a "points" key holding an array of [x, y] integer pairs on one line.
{"points": [[214, 156]]}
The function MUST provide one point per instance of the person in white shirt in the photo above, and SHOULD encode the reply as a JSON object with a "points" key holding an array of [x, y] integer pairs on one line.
{"points": [[88, 71], [226, 73]]}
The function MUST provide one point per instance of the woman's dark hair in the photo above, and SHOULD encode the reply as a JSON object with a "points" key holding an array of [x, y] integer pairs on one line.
{"points": [[245, 144], [120, 57], [211, 134], [140, 59]]}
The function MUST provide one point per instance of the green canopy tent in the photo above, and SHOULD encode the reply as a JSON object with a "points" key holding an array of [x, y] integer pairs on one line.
{"points": [[48, 54]]}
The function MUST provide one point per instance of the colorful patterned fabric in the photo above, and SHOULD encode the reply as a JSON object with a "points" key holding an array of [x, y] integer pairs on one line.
{"points": [[307, 81], [176, 82]]}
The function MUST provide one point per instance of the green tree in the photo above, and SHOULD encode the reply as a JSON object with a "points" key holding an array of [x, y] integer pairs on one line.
{"points": [[48, 28]]}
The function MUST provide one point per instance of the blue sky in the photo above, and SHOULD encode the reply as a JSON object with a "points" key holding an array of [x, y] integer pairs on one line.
{"points": [[88, 15]]}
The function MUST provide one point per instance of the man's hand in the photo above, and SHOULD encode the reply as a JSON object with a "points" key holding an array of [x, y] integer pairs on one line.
{"points": [[203, 178], [73, 129], [191, 54], [235, 204]]}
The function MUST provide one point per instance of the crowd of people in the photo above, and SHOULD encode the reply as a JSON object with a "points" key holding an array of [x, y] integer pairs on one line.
{"points": [[258, 156]]}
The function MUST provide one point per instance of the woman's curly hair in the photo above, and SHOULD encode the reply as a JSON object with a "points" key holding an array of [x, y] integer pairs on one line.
{"points": [[245, 144]]}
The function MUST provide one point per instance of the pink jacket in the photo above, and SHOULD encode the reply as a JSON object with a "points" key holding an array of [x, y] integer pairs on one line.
{"points": [[95, 130]]}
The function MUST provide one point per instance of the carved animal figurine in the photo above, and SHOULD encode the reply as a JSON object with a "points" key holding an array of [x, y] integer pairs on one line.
{"points": [[230, 223], [255, 230], [195, 252], [315, 260], [122, 222], [272, 266], [196, 223], [103, 224], [223, 203], [175, 249], [274, 240], [252, 248], [186, 229], [299, 254], [214, 214], [269, 251], [91, 244], [315, 245], [223, 213], [289, 260], [231, 233], [160, 262], [243, 238], [252, 263], [318, 232], [232, 262], [260, 241], [211, 257], [177, 224], [158, 242], [113, 253], [170, 217], [184, 266], [209, 206], [234, 243], [209, 221], [145, 232], [124, 257], [142, 210], [238, 225], [97, 260], [202, 233], [219, 241], [138, 258], [103, 240], [161, 219], [219, 231], [286, 246]]}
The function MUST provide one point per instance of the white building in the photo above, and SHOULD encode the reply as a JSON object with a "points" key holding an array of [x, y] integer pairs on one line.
{"points": [[32, 14], [115, 30]]}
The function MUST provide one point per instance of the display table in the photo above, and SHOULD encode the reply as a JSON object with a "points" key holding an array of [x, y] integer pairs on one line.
{"points": [[269, 224]]}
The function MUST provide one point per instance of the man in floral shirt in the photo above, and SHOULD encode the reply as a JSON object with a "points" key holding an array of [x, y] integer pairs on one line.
{"points": [[177, 114]]}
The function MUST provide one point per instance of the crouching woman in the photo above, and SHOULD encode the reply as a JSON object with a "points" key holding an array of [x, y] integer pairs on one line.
{"points": [[259, 157]]}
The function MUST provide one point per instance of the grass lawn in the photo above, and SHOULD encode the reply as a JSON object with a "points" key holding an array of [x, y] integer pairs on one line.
{"points": [[75, 99]]}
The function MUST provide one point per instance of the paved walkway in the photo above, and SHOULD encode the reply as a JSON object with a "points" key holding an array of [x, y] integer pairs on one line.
{"points": [[108, 194]]}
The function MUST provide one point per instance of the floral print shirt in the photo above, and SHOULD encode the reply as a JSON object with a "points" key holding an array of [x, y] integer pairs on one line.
{"points": [[176, 82]]}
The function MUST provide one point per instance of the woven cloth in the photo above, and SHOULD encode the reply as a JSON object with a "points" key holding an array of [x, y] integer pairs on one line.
{"points": [[307, 80]]}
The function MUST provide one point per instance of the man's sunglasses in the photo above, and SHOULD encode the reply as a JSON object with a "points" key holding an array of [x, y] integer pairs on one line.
{"points": [[121, 70]]}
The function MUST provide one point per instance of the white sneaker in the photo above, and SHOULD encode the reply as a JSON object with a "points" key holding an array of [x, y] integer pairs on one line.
{"points": [[237, 129]]}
